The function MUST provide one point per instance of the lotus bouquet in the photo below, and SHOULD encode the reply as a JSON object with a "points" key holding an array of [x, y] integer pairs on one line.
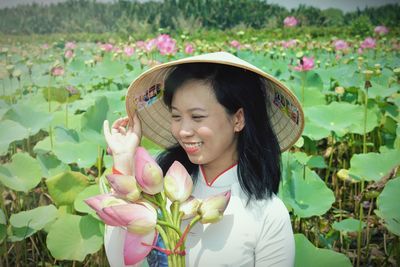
{"points": [[149, 204]]}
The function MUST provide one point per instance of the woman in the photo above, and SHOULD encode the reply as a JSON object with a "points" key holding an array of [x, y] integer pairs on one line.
{"points": [[227, 122]]}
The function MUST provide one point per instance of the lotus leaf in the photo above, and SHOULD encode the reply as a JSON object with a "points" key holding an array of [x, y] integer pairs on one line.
{"points": [[81, 206], [84, 153], [64, 187], [381, 91], [10, 131], [314, 131], [22, 174], [51, 165], [29, 118], [35, 219], [348, 225], [388, 205], [341, 117], [109, 69], [307, 196], [73, 237], [95, 115], [309, 255], [373, 166]]}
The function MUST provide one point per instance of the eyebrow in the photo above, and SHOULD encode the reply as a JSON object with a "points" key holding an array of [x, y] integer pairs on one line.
{"points": [[191, 109]]}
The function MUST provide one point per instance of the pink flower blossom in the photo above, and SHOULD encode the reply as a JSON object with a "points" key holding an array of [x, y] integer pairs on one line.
{"points": [[212, 208], [369, 42], [305, 64], [178, 184], [70, 45], [148, 173], [290, 21], [340, 45], [381, 30], [150, 45], [166, 45], [107, 47], [289, 44], [69, 54], [189, 49], [129, 50], [141, 45], [57, 71], [235, 44]]}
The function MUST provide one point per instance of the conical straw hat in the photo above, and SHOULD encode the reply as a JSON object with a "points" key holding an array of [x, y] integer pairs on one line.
{"points": [[145, 93]]}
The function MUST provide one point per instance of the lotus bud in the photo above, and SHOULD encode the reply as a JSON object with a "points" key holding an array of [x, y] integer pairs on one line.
{"points": [[189, 207], [99, 202], [124, 186], [139, 217], [339, 90], [368, 74], [148, 174], [178, 184], [212, 209]]}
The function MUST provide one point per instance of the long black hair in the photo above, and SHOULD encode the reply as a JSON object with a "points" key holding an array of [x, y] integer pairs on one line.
{"points": [[259, 155]]}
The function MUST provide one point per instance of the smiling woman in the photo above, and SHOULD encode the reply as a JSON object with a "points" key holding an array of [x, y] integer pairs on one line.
{"points": [[227, 122]]}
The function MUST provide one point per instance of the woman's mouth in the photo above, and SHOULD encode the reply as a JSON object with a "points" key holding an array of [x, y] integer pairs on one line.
{"points": [[193, 147]]}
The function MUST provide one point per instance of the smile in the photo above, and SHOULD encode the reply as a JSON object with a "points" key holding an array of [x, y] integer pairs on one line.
{"points": [[192, 147]]}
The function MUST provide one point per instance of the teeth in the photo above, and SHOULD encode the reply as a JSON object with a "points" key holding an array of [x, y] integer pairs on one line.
{"points": [[193, 145]]}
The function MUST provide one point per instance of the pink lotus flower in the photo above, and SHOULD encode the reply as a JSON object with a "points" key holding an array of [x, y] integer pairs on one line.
{"points": [[340, 45], [178, 184], [189, 207], [107, 47], [235, 44], [166, 45], [124, 186], [69, 54], [141, 45], [290, 21], [212, 209], [57, 71], [99, 202], [381, 30], [305, 64], [134, 250], [70, 45], [148, 174], [129, 50], [139, 218], [289, 44], [150, 45], [369, 42], [189, 49], [45, 46]]}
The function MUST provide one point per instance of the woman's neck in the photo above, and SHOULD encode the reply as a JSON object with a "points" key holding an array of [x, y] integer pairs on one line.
{"points": [[210, 171]]}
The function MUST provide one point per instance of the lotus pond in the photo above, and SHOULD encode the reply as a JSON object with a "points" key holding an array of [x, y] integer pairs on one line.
{"points": [[340, 182]]}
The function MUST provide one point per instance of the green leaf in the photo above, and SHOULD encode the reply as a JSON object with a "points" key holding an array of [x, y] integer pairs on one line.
{"points": [[22, 174], [84, 153], [11, 131], [381, 92], [317, 162], [29, 118], [95, 115], [307, 196], [388, 205], [309, 255], [373, 166], [35, 219], [109, 69], [20, 233], [63, 188], [348, 225], [51, 165], [314, 131], [79, 203], [74, 237]]}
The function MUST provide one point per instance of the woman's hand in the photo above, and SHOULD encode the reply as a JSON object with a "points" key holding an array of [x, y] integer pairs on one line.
{"points": [[122, 140]]}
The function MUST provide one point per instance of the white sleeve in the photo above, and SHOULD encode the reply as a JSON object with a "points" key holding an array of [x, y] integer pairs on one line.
{"points": [[114, 238], [275, 246]]}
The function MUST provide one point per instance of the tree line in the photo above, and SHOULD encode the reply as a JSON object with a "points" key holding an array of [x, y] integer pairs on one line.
{"points": [[127, 17]]}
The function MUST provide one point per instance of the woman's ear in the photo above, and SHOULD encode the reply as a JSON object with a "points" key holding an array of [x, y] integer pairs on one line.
{"points": [[238, 120]]}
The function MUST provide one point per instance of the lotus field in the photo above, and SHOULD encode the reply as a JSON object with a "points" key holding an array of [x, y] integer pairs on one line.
{"points": [[341, 181]]}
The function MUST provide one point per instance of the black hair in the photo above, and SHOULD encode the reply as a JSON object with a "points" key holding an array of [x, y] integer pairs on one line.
{"points": [[259, 155]]}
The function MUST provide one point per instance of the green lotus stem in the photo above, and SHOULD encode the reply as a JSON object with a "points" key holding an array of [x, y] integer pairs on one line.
{"points": [[66, 113], [330, 160], [303, 84], [151, 199], [163, 223], [98, 161], [175, 212]]}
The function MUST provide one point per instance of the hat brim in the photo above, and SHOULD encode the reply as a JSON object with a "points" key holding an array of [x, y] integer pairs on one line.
{"points": [[145, 93]]}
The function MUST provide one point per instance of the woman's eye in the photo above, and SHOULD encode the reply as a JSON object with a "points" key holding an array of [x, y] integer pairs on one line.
{"points": [[175, 117], [197, 117]]}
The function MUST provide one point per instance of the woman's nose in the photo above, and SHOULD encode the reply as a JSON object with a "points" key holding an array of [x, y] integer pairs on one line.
{"points": [[185, 129]]}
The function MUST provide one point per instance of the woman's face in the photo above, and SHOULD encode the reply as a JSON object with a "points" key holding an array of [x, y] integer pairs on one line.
{"points": [[202, 127]]}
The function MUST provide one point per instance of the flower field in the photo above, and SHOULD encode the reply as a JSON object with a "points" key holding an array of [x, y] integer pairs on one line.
{"points": [[341, 181]]}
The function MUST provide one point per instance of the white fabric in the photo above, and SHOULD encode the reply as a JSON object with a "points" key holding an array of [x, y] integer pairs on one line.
{"points": [[259, 234]]}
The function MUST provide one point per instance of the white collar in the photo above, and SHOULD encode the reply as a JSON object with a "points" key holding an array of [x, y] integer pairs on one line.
{"points": [[225, 178]]}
